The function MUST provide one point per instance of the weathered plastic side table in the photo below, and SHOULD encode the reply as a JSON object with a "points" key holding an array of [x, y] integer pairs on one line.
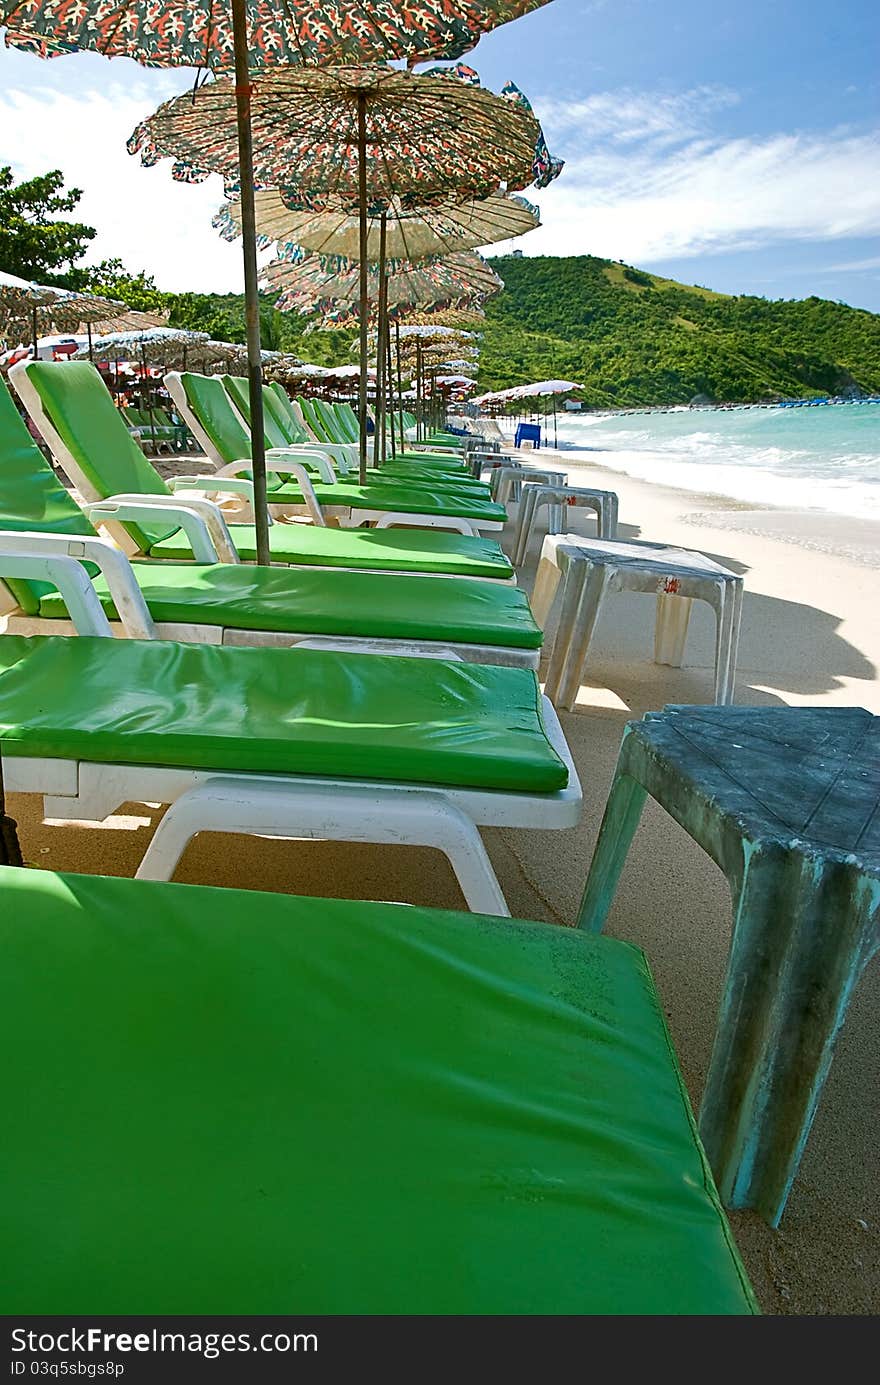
{"points": [[507, 481], [590, 569], [785, 801], [559, 498]]}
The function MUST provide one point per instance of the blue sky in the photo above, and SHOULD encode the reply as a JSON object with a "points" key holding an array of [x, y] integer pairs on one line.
{"points": [[731, 145]]}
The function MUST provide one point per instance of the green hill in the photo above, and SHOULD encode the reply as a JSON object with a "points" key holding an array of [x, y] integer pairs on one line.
{"points": [[635, 338], [630, 337]]}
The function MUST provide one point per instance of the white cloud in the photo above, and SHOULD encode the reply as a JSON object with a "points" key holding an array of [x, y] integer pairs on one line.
{"points": [[646, 179], [142, 216], [854, 266]]}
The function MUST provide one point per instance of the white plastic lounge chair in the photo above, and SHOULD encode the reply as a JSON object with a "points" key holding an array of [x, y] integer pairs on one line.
{"points": [[206, 408], [75, 414], [47, 546], [280, 742]]}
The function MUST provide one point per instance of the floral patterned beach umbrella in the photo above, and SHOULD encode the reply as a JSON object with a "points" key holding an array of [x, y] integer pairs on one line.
{"points": [[176, 33], [308, 286], [38, 309], [243, 35], [427, 136], [354, 140], [412, 233]]}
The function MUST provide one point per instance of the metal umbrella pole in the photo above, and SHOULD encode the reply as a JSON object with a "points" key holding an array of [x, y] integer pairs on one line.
{"points": [[251, 292], [399, 380], [91, 352], [145, 394], [419, 392], [379, 410], [34, 331], [364, 287], [389, 376]]}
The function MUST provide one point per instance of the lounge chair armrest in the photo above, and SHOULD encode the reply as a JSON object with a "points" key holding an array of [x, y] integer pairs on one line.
{"points": [[200, 520], [321, 458], [233, 485], [341, 453], [291, 467], [60, 559]]}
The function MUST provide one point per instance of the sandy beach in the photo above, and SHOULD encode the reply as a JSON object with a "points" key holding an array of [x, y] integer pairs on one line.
{"points": [[810, 636]]}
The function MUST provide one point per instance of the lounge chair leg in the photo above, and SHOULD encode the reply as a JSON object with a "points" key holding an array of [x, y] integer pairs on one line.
{"points": [[325, 813]]}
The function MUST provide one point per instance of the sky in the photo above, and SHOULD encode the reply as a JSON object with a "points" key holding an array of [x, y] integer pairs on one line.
{"points": [[733, 145]]}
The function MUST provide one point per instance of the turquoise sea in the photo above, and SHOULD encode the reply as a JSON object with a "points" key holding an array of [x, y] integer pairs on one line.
{"points": [[818, 458]]}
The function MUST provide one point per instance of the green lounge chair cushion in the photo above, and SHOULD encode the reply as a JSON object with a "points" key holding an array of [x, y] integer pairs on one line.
{"points": [[310, 601], [238, 391], [228, 1102], [393, 550], [85, 417], [276, 711], [31, 496], [397, 496], [210, 401]]}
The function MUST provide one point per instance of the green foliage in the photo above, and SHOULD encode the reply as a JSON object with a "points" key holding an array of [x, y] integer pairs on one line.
{"points": [[112, 279], [34, 244], [222, 317], [635, 338]]}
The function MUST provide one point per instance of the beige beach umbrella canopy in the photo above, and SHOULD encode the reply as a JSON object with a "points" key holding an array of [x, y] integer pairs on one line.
{"points": [[412, 233], [355, 139], [308, 285], [244, 36]]}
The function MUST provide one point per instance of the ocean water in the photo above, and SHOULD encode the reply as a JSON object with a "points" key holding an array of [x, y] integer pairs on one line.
{"points": [[825, 458]]}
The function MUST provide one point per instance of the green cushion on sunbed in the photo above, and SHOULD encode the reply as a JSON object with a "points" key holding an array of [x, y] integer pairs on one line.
{"points": [[210, 401], [397, 496], [329, 603], [31, 496], [394, 550], [83, 414], [276, 711], [228, 1102], [238, 391]]}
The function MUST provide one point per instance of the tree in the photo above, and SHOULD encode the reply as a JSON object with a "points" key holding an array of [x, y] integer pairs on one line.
{"points": [[112, 279], [34, 243]]}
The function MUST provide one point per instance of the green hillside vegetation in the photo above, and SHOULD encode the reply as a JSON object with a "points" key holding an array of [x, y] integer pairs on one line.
{"points": [[631, 337], [634, 338]]}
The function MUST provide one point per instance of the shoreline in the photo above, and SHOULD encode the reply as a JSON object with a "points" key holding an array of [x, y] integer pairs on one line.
{"points": [[820, 531]]}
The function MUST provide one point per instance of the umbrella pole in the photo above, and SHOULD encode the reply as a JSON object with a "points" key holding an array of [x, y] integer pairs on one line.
{"points": [[419, 391], [399, 383], [251, 293], [91, 352], [379, 439], [389, 376], [34, 331], [555, 441], [146, 395], [364, 295]]}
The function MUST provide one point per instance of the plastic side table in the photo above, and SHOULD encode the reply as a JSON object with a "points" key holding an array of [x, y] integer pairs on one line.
{"points": [[785, 800]]}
